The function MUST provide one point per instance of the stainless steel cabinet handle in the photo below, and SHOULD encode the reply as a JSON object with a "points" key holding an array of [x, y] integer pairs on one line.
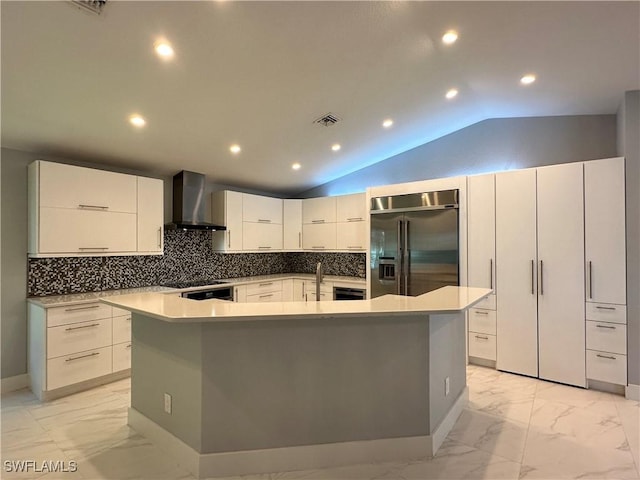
{"points": [[83, 326], [299, 239], [159, 237], [266, 296], [229, 238], [264, 248], [491, 273], [605, 308], [355, 247], [606, 326], [354, 219], [532, 278], [75, 309], [541, 280], [93, 248], [128, 346], [264, 220], [605, 356], [481, 313], [398, 273], [235, 294], [319, 247], [93, 354], [265, 284], [407, 259], [96, 207], [482, 338], [590, 274], [317, 221]]}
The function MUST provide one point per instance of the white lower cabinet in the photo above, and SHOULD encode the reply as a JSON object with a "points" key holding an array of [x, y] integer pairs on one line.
{"points": [[78, 367], [607, 367], [298, 290], [265, 297], [482, 345], [240, 293], [482, 334], [76, 343]]}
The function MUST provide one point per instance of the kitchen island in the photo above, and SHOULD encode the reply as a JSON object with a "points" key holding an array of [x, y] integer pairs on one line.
{"points": [[297, 385]]}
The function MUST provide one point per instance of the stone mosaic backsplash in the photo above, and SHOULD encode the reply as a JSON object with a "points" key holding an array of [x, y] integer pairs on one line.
{"points": [[187, 256]]}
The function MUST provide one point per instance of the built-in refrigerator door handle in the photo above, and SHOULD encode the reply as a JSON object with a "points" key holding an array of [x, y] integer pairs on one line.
{"points": [[532, 277], [406, 270], [491, 273], [400, 263], [541, 280], [589, 273]]}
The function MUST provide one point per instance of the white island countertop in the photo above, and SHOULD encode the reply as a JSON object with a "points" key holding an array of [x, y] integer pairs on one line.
{"points": [[171, 307]]}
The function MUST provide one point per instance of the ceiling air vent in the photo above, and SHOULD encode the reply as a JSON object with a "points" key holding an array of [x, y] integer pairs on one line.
{"points": [[327, 120], [93, 6]]}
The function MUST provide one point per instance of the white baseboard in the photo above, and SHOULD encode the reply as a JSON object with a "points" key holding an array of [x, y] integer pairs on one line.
{"points": [[440, 433], [11, 384], [632, 392], [290, 458]]}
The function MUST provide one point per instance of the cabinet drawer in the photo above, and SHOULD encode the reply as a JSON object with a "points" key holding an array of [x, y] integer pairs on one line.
{"points": [[311, 296], [122, 329], [607, 367], [606, 312], [607, 337], [482, 321], [482, 346], [325, 287], [121, 356], [264, 287], [265, 297], [78, 337], [78, 367], [488, 303], [77, 313]]}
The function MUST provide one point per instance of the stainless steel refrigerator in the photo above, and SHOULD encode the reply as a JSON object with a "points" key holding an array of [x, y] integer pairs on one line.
{"points": [[414, 243]]}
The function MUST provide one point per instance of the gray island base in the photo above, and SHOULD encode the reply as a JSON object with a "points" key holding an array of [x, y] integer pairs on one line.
{"points": [[300, 392]]}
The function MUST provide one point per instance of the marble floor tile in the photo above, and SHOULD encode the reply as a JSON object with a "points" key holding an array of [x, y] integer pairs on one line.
{"points": [[629, 414], [501, 402], [495, 435], [576, 396]]}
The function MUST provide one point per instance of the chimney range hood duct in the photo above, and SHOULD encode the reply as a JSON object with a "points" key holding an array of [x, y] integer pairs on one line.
{"points": [[189, 203]]}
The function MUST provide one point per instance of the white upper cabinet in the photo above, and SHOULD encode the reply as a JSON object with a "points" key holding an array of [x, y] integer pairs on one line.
{"points": [[77, 211], [150, 215], [259, 209], [261, 237], [319, 210], [68, 186], [481, 231], [351, 208], [561, 310], [604, 211], [319, 236], [292, 224], [351, 236], [226, 209], [517, 322]]}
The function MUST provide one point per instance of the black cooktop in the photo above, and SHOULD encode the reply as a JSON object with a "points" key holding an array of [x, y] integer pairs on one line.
{"points": [[192, 283]]}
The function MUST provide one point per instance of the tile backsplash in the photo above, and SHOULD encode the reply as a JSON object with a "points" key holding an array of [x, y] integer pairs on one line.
{"points": [[187, 256]]}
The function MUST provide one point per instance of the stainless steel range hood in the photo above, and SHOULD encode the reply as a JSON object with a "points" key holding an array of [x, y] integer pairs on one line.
{"points": [[189, 203]]}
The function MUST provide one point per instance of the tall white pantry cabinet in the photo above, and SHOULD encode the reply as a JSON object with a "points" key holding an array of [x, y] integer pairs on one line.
{"points": [[558, 271]]}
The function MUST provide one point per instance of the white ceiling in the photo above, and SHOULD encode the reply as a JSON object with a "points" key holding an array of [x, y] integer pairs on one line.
{"points": [[259, 73]]}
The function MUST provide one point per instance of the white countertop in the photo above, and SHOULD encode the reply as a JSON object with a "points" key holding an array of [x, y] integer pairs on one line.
{"points": [[78, 298], [170, 307]]}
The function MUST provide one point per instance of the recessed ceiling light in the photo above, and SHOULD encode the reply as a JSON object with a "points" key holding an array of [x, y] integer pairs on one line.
{"points": [[235, 148], [451, 93], [528, 79], [163, 49], [137, 120], [387, 123], [335, 147], [450, 37], [296, 166]]}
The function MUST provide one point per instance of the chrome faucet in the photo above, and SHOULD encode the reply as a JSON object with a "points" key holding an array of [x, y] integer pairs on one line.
{"points": [[318, 280]]}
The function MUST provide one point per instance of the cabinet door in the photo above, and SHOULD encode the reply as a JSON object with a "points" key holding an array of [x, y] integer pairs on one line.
{"points": [[481, 231], [517, 322], [351, 235], [256, 208], [561, 312], [240, 294], [319, 210], [351, 208], [150, 214], [604, 213], [65, 231], [319, 236], [261, 236], [226, 209], [287, 290], [298, 290], [292, 228], [68, 186]]}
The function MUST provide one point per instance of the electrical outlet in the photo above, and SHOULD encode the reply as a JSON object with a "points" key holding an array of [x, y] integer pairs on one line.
{"points": [[446, 386], [167, 403]]}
